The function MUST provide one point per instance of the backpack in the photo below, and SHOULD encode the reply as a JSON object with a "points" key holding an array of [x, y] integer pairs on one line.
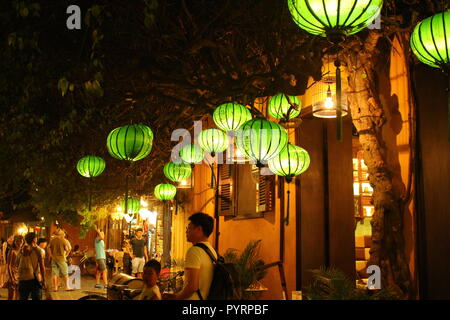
{"points": [[25, 263], [224, 282]]}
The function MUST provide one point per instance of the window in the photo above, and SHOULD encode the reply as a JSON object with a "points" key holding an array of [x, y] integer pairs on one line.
{"points": [[243, 192]]}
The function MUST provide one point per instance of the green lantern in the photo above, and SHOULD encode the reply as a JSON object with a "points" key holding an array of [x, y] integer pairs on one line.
{"points": [[290, 162], [334, 17], [279, 106], [131, 143], [430, 42], [165, 191], [231, 116], [261, 140], [134, 205], [213, 140], [192, 154], [90, 166], [177, 172]]}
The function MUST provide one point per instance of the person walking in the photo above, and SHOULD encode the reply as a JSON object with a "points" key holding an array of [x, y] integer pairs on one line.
{"points": [[140, 255], [100, 256], [13, 270], [31, 275], [6, 246], [58, 251], [198, 266]]}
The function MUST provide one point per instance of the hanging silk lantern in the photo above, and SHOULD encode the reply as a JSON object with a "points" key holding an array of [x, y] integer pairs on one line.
{"points": [[134, 205], [131, 143], [192, 154], [177, 172], [231, 116], [90, 166], [165, 191], [430, 42], [279, 106], [290, 162], [212, 141], [260, 140], [335, 19]]}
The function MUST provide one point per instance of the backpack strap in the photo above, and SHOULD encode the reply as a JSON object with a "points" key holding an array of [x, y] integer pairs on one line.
{"points": [[210, 254]]}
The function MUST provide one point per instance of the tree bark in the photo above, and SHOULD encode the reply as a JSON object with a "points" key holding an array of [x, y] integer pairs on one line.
{"points": [[388, 247]]}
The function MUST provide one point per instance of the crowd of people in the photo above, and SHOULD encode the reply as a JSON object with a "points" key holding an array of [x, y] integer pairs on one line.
{"points": [[22, 263]]}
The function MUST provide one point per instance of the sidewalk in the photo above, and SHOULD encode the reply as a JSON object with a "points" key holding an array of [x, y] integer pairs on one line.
{"points": [[87, 287]]}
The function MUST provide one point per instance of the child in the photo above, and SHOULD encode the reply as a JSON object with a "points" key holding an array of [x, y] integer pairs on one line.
{"points": [[74, 272], [150, 291]]}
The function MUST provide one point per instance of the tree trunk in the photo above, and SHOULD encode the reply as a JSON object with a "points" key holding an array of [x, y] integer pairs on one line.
{"points": [[388, 248]]}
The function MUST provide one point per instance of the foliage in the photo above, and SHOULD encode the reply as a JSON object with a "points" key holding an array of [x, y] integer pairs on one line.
{"points": [[333, 284], [249, 268]]}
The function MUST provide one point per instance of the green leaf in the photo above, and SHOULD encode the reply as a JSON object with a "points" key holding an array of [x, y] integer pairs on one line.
{"points": [[24, 12]]}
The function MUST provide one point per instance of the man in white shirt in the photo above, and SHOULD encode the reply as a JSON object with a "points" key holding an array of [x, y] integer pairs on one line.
{"points": [[198, 267]]}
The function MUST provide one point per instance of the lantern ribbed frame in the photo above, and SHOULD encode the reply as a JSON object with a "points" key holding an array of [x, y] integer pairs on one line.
{"points": [[192, 154], [131, 142], [328, 17], [279, 106], [319, 95], [134, 205], [177, 172], [90, 166], [290, 162], [165, 191], [260, 140], [213, 141], [430, 41], [231, 116]]}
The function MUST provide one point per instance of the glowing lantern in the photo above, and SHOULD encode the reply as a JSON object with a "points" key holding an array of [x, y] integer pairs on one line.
{"points": [[290, 162], [192, 154], [430, 42], [165, 191], [177, 172], [134, 205], [231, 116], [212, 141], [131, 143], [261, 140], [280, 105], [334, 19], [90, 166]]}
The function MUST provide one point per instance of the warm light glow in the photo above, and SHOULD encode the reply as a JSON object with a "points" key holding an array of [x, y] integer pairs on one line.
{"points": [[119, 209], [329, 103], [144, 213], [144, 203], [152, 217], [22, 230], [128, 218], [183, 183], [356, 188]]}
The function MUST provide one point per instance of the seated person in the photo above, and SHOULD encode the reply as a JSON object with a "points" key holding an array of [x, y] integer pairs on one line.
{"points": [[150, 291], [74, 273]]}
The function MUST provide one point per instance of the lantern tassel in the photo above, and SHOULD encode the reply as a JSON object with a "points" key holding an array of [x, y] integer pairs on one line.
{"points": [[287, 207], [337, 63], [90, 196]]}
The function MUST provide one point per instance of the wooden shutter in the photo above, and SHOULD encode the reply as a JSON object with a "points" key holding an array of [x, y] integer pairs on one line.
{"points": [[226, 192], [266, 193]]}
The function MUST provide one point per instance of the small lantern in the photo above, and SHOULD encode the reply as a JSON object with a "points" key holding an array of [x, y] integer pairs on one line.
{"points": [[261, 140], [231, 116], [90, 166], [212, 141], [192, 154], [131, 143], [134, 205], [165, 191], [282, 106], [290, 162], [323, 98], [177, 172]]}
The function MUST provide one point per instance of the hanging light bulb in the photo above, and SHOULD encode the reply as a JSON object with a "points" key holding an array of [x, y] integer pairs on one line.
{"points": [[323, 99], [329, 99]]}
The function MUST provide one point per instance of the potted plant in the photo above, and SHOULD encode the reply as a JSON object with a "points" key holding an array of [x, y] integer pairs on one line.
{"points": [[249, 269]]}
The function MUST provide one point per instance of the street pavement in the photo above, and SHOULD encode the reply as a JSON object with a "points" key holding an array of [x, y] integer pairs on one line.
{"points": [[87, 287]]}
